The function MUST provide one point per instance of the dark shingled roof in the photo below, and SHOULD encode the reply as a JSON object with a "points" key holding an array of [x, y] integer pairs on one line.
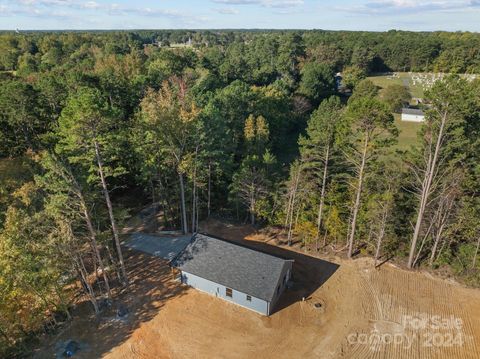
{"points": [[412, 111], [232, 265]]}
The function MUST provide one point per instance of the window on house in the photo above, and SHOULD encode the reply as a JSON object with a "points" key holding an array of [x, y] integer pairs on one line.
{"points": [[229, 292], [249, 298]]}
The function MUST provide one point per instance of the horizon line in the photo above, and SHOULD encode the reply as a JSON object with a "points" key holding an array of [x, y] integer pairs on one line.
{"points": [[233, 29]]}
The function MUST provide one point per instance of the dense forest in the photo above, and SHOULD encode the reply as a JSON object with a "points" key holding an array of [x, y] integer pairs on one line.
{"points": [[248, 126]]}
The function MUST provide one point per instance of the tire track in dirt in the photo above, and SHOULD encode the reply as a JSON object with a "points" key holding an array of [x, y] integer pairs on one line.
{"points": [[356, 299], [411, 306]]}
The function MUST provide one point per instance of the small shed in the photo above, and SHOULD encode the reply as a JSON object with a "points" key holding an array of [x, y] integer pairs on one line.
{"points": [[412, 115], [233, 272]]}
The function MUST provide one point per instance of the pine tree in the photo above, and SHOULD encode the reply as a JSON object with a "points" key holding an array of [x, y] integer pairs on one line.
{"points": [[86, 132], [441, 148], [318, 147], [371, 130]]}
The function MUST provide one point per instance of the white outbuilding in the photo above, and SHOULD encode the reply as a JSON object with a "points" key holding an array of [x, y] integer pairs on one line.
{"points": [[412, 115]]}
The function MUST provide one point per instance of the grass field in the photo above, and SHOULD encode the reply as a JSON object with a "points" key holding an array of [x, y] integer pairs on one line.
{"points": [[404, 78], [408, 130], [408, 133], [417, 82]]}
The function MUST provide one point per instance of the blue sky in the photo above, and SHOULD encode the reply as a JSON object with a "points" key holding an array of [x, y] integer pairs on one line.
{"points": [[375, 15]]}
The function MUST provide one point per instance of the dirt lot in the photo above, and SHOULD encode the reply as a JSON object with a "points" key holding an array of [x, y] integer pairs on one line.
{"points": [[351, 311]]}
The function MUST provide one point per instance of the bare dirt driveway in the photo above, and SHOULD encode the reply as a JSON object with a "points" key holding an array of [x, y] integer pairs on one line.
{"points": [[351, 311]]}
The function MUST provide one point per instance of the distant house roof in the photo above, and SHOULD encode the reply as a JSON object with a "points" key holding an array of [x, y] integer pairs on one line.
{"points": [[232, 265], [412, 111]]}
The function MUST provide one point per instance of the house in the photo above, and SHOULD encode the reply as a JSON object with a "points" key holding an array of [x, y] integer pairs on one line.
{"points": [[412, 115], [233, 272]]}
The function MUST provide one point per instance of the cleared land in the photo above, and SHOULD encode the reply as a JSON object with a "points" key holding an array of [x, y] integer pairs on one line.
{"points": [[415, 82], [408, 135], [348, 305]]}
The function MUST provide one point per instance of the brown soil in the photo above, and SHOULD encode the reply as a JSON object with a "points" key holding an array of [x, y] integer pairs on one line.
{"points": [[346, 302]]}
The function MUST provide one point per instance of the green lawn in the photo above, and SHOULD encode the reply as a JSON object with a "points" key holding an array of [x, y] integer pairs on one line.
{"points": [[408, 133], [417, 82], [408, 130], [404, 78]]}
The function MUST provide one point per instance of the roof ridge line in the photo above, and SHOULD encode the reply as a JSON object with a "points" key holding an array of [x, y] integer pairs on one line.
{"points": [[242, 245]]}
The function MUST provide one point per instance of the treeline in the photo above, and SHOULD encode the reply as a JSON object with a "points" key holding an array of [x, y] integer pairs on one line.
{"points": [[371, 51], [243, 125]]}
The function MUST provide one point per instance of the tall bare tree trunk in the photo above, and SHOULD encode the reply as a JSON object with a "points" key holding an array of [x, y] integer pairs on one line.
{"points": [[110, 213], [79, 264], [93, 238], [112, 260], [426, 186], [252, 209], [167, 207], [194, 194], [425, 237], [438, 234], [356, 205], [434, 249], [417, 257], [322, 194], [381, 234], [442, 248], [95, 269], [68, 176], [198, 215], [291, 207], [182, 204], [194, 208]]}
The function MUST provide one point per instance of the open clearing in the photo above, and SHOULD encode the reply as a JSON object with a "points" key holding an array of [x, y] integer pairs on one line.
{"points": [[417, 82], [408, 135], [349, 306]]}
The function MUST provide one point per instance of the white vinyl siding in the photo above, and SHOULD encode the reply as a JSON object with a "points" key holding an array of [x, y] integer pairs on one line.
{"points": [[412, 118]]}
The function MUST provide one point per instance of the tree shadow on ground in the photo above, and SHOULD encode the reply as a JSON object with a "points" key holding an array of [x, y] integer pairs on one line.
{"points": [[151, 285]]}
